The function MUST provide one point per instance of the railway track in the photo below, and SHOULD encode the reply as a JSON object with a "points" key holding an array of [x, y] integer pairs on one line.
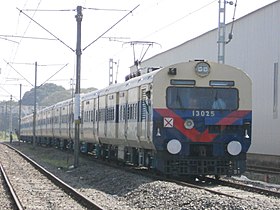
{"points": [[224, 187], [196, 193], [263, 170], [245, 187], [9, 199], [36, 188]]}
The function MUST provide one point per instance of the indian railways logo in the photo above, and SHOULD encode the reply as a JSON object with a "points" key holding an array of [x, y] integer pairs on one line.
{"points": [[168, 122]]}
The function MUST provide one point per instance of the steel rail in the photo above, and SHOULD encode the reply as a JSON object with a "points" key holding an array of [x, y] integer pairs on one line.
{"points": [[81, 199], [245, 187], [263, 169], [11, 189]]}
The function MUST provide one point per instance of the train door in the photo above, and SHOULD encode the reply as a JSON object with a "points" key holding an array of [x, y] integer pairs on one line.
{"points": [[122, 129], [132, 102], [52, 121], [102, 117], [112, 110], [96, 119], [71, 121], [58, 122], [82, 119], [105, 115], [144, 113]]}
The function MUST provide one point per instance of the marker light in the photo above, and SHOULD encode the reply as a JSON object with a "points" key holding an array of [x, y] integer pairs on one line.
{"points": [[221, 83], [182, 82]]}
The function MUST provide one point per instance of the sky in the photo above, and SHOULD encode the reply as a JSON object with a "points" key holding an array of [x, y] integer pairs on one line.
{"points": [[45, 31]]}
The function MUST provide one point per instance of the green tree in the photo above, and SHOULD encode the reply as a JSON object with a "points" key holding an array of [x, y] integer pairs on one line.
{"points": [[42, 92]]}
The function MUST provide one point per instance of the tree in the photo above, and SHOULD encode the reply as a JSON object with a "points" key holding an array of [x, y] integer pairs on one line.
{"points": [[49, 94], [41, 93]]}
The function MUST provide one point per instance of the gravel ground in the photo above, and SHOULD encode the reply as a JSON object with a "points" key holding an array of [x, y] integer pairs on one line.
{"points": [[33, 189], [116, 189], [5, 199]]}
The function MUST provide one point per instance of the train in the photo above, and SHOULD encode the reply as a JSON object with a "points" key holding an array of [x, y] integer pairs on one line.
{"points": [[188, 119]]}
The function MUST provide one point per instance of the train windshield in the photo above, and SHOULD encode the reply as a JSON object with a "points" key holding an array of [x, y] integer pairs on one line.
{"points": [[207, 98]]}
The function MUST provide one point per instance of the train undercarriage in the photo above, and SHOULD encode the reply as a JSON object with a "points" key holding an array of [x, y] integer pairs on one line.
{"points": [[161, 161]]}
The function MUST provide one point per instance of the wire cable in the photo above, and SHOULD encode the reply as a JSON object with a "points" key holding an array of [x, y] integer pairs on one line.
{"points": [[24, 37], [111, 10], [111, 27], [172, 23], [47, 31], [54, 74], [19, 73]]}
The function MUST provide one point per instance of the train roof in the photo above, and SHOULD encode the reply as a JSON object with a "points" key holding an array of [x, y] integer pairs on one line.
{"points": [[133, 82]]}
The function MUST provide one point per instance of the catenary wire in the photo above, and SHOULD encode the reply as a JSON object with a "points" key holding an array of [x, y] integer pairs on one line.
{"points": [[47, 30]]}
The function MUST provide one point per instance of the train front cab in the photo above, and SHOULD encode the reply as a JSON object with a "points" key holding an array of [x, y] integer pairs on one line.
{"points": [[205, 126]]}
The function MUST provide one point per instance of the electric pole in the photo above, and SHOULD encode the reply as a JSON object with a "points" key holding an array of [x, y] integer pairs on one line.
{"points": [[11, 118], [77, 117], [222, 31], [34, 112], [19, 113], [6, 118]]}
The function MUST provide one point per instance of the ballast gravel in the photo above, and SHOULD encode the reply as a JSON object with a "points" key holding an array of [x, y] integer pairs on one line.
{"points": [[115, 189]]}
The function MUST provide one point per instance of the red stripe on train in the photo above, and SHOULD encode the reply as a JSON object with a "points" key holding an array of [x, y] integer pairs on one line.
{"points": [[195, 135]]}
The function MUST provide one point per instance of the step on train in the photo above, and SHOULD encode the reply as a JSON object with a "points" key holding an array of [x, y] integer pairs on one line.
{"points": [[190, 118]]}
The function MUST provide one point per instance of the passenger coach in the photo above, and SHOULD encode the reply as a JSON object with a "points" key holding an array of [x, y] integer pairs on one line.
{"points": [[191, 118]]}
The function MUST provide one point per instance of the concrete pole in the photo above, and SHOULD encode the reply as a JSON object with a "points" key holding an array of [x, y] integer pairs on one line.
{"points": [[77, 117], [222, 31], [34, 112], [19, 112], [11, 120]]}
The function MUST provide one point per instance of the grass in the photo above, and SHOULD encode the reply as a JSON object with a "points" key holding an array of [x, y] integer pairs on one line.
{"points": [[63, 161]]}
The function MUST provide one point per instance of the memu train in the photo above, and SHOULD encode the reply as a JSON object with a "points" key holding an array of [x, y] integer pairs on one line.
{"points": [[190, 118]]}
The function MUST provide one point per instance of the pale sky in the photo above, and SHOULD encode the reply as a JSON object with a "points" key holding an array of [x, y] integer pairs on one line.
{"points": [[166, 22]]}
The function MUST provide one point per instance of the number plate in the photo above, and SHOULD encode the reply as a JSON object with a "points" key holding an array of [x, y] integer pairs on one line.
{"points": [[202, 113]]}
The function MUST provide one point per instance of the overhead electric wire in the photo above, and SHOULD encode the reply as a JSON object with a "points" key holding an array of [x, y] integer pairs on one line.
{"points": [[8, 39], [111, 27], [5, 90], [49, 10], [54, 74], [19, 73], [25, 29], [10, 94], [25, 37], [17, 47], [172, 23], [47, 30], [111, 10], [37, 64], [168, 25]]}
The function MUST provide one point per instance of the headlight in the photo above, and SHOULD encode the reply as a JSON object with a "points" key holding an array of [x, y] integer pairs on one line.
{"points": [[174, 146], [234, 148], [202, 69]]}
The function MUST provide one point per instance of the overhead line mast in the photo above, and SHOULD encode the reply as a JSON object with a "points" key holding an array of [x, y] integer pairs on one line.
{"points": [[77, 117], [222, 29]]}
